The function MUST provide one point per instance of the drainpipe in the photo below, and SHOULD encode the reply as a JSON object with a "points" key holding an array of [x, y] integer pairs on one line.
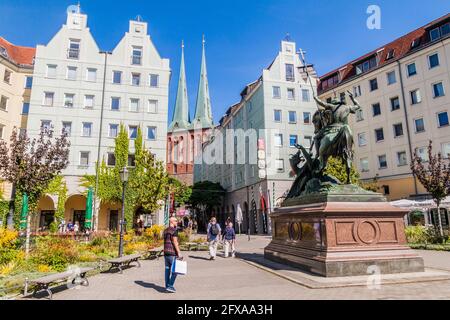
{"points": [[408, 131], [96, 214]]}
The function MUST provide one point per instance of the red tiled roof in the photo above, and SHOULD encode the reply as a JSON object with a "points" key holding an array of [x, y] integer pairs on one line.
{"points": [[18, 54], [401, 47]]}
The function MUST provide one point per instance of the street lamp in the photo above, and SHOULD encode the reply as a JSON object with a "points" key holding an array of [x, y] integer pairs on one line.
{"points": [[124, 174]]}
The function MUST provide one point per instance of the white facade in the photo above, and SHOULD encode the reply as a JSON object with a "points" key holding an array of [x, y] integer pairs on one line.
{"points": [[67, 92], [277, 105]]}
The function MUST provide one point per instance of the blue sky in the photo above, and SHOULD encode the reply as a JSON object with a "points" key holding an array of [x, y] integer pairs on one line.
{"points": [[242, 36]]}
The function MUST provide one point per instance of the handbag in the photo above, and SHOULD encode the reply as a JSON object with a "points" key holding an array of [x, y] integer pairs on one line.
{"points": [[179, 267]]}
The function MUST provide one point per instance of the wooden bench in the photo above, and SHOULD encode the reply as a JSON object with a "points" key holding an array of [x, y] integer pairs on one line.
{"points": [[156, 253], [119, 263], [44, 283]]}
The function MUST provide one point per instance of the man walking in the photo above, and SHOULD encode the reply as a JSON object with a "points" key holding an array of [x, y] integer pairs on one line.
{"points": [[229, 238], [213, 234], [171, 253]]}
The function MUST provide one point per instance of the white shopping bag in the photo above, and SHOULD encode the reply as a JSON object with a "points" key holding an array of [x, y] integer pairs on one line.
{"points": [[179, 267]]}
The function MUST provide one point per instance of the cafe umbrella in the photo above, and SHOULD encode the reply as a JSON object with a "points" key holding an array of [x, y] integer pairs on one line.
{"points": [[88, 222]]}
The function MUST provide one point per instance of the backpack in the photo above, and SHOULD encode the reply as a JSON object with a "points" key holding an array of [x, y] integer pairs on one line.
{"points": [[215, 229]]}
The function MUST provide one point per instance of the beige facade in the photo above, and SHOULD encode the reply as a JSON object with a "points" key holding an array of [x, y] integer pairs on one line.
{"points": [[406, 103]]}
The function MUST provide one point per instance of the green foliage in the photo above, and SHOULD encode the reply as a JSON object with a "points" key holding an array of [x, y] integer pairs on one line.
{"points": [[9, 246], [58, 253], [58, 187], [206, 195], [4, 209], [424, 235], [181, 192], [337, 169], [182, 238]]}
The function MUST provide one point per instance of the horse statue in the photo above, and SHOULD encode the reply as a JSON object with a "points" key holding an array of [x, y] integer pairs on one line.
{"points": [[333, 138]]}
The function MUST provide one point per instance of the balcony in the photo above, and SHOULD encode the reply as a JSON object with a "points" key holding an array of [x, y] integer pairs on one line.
{"points": [[73, 54]]}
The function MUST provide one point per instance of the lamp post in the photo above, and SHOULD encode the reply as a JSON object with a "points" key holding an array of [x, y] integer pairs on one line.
{"points": [[124, 178]]}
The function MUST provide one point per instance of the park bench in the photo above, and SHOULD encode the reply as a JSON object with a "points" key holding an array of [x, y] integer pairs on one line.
{"points": [[44, 283], [124, 261], [156, 253]]}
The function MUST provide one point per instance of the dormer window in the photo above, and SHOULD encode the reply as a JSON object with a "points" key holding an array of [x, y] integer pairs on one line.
{"points": [[366, 65], [415, 43], [390, 54], [440, 32], [3, 52]]}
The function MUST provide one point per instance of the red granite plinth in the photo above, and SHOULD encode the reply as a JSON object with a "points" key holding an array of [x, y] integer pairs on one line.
{"points": [[337, 239]]}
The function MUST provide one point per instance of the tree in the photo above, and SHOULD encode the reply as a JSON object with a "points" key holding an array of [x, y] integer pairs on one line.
{"points": [[181, 192], [206, 195], [30, 166], [337, 169], [435, 177]]}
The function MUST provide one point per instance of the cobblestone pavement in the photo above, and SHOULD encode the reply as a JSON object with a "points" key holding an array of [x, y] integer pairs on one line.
{"points": [[233, 279]]}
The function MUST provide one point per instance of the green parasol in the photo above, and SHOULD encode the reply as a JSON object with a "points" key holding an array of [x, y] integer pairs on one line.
{"points": [[88, 222], [24, 213]]}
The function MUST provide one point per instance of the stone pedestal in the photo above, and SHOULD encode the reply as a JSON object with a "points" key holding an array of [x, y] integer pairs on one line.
{"points": [[337, 239]]}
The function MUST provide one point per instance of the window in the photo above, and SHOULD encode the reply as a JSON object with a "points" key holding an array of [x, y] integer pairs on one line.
{"points": [[362, 139], [366, 65], [386, 190], [132, 130], [395, 103], [134, 105], [135, 79], [152, 106], [91, 74], [364, 164], [131, 160], [87, 129], [117, 77], [71, 73], [84, 158], [305, 95], [74, 49], [435, 34], [278, 140], [376, 109], [154, 80], [411, 69], [276, 92], [136, 58], [46, 125], [307, 117], [382, 162], [279, 163], [113, 130], [26, 108], [49, 99], [446, 150], [291, 93], [390, 54], [398, 130], [402, 159], [111, 159], [290, 76], [359, 115], [2, 129], [379, 135], [51, 71], [438, 90], [277, 115], [69, 99], [67, 128], [422, 152], [151, 133], [28, 82], [373, 84], [419, 125], [415, 97], [3, 103], [308, 141], [443, 119], [89, 101], [115, 103], [292, 117], [391, 78], [330, 82], [357, 91], [293, 140], [7, 76], [433, 60]]}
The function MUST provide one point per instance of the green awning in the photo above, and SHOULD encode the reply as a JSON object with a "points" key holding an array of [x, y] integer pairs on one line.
{"points": [[24, 213], [88, 222]]}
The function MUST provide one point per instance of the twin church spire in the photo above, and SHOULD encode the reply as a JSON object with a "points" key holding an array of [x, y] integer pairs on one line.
{"points": [[203, 114]]}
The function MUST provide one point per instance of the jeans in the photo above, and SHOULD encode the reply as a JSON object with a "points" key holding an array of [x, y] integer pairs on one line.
{"points": [[170, 277]]}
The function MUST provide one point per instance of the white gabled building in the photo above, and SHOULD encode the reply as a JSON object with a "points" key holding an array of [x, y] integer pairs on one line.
{"points": [[70, 87]]}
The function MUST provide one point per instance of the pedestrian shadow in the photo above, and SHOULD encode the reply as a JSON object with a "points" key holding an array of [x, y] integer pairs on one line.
{"points": [[199, 258], [151, 286]]}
